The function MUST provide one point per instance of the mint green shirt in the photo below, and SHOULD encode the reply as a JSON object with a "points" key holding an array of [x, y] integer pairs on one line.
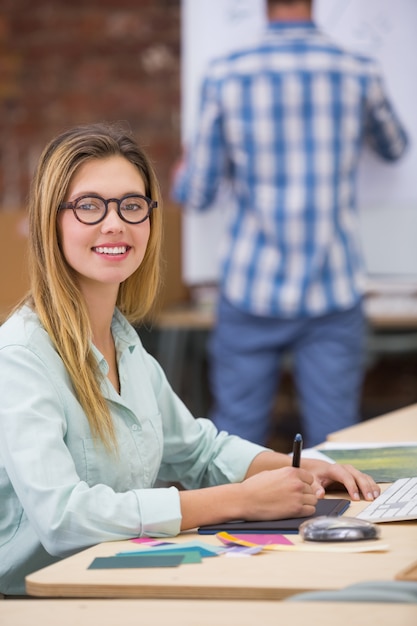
{"points": [[60, 490]]}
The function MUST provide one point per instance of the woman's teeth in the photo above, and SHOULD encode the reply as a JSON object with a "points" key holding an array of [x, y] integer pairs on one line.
{"points": [[112, 250]]}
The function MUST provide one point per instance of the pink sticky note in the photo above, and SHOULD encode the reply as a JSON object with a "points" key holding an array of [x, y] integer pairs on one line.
{"points": [[149, 541]]}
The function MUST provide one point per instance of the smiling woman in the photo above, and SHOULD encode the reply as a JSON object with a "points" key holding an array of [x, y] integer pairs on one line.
{"points": [[105, 241], [88, 420]]}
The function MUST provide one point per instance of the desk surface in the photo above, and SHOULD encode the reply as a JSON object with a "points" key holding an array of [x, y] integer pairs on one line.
{"points": [[400, 425], [271, 575], [184, 612]]}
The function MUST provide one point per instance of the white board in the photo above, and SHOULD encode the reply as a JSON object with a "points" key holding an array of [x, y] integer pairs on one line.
{"points": [[387, 192]]}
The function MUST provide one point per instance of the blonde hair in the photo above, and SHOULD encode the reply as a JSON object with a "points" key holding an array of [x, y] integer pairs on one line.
{"points": [[54, 292]]}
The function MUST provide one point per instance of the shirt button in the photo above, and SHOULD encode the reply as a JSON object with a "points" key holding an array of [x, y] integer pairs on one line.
{"points": [[135, 427]]}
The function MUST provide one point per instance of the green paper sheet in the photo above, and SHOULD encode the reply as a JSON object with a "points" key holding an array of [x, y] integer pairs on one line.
{"points": [[384, 463]]}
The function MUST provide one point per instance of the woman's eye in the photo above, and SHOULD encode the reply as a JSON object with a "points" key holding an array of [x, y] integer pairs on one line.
{"points": [[89, 206], [134, 205]]}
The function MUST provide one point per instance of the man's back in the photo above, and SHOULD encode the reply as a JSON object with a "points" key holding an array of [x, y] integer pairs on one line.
{"points": [[285, 121], [295, 94]]}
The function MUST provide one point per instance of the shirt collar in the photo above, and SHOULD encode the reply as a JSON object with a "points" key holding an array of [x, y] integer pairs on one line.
{"points": [[125, 338], [292, 27]]}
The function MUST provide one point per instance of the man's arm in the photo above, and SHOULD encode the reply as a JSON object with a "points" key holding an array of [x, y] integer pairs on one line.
{"points": [[384, 130]]}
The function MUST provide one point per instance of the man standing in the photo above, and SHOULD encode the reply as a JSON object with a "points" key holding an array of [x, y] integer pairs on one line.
{"points": [[284, 121]]}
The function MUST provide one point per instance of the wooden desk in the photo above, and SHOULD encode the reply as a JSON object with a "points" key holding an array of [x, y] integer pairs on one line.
{"points": [[186, 317], [400, 425], [271, 575], [193, 317], [200, 612]]}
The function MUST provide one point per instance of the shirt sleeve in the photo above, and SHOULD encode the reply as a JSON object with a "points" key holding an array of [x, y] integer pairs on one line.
{"points": [[43, 492], [384, 131], [205, 162]]}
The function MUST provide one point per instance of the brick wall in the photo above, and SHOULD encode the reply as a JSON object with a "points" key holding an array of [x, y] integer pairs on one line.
{"points": [[65, 62], [68, 62]]}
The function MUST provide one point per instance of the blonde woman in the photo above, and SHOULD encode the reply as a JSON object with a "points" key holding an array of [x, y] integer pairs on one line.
{"points": [[88, 421]]}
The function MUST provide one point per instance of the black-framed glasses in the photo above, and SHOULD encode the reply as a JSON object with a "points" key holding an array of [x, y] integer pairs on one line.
{"points": [[92, 208]]}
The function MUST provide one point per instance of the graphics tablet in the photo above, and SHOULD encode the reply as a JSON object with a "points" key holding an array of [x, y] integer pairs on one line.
{"points": [[328, 506]]}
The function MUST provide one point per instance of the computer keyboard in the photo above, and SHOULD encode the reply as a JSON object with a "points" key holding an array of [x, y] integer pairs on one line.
{"points": [[397, 503]]}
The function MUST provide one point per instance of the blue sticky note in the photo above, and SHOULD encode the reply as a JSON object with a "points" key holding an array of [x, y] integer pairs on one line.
{"points": [[203, 549]]}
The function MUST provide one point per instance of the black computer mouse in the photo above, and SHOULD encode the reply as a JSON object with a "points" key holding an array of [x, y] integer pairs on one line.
{"points": [[331, 528]]}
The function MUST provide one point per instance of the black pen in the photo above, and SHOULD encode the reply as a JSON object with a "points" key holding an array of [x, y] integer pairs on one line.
{"points": [[296, 450]]}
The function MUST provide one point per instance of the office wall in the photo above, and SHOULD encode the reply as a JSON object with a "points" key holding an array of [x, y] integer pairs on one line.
{"points": [[73, 62]]}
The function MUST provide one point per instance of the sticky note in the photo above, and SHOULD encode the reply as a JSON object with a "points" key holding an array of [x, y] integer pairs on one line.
{"points": [[130, 562], [236, 550], [150, 541], [189, 555], [205, 550]]}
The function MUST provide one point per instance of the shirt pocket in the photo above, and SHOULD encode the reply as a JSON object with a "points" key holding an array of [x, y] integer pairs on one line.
{"points": [[135, 462]]}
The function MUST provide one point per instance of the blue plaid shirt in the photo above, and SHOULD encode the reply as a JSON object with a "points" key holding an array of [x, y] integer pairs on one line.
{"points": [[284, 122]]}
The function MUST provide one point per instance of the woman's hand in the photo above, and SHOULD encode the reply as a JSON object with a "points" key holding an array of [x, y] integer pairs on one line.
{"points": [[272, 489], [278, 493], [324, 474], [327, 474], [264, 495]]}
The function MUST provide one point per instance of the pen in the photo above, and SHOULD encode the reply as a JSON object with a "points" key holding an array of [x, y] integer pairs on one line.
{"points": [[296, 450]]}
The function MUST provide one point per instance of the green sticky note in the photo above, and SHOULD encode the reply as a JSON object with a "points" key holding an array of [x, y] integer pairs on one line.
{"points": [[131, 562], [190, 556]]}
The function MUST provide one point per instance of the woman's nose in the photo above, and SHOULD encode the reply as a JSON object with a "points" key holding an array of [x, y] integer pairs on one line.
{"points": [[112, 221]]}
